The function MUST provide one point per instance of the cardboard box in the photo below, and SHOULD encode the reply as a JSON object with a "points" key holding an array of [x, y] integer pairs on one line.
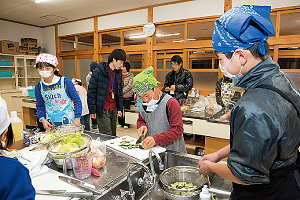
{"points": [[23, 50], [29, 42], [32, 51], [9, 47]]}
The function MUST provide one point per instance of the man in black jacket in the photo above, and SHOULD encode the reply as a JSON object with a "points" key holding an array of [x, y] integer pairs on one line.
{"points": [[105, 92], [179, 81]]}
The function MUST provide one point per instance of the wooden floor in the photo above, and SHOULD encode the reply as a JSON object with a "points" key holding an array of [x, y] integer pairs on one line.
{"points": [[191, 141]]}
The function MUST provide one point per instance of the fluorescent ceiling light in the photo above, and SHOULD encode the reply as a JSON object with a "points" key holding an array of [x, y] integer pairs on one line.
{"points": [[39, 1], [164, 35], [183, 40], [137, 36], [158, 35]]}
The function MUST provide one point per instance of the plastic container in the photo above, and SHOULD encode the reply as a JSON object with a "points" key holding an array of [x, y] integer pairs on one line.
{"points": [[204, 194], [17, 126], [82, 166], [193, 94], [31, 92], [5, 63], [5, 74]]}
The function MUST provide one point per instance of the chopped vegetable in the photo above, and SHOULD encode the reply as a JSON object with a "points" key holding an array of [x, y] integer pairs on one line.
{"points": [[129, 144], [71, 143], [183, 185]]}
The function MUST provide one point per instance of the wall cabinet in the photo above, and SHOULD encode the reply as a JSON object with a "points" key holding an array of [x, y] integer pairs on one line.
{"points": [[17, 71]]}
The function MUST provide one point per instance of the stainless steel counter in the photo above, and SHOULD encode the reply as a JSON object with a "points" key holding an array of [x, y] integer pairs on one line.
{"points": [[113, 174]]}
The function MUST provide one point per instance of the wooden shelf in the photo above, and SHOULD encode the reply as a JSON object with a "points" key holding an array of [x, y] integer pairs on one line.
{"points": [[7, 77], [34, 77], [7, 66]]}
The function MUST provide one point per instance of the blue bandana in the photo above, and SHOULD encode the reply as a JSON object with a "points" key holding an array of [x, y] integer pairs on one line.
{"points": [[241, 27]]}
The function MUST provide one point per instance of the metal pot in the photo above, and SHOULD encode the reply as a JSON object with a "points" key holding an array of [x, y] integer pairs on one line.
{"points": [[70, 128], [62, 160], [180, 174]]}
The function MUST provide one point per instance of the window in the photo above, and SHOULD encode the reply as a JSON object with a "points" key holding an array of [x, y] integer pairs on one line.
{"points": [[84, 68], [289, 58], [111, 39], [134, 37], [200, 31], [136, 61], [160, 64], [205, 80], [69, 68], [168, 34], [202, 60], [68, 43], [289, 24], [86, 42]]}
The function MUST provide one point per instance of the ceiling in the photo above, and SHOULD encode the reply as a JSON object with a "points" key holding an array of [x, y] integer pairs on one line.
{"points": [[52, 12]]}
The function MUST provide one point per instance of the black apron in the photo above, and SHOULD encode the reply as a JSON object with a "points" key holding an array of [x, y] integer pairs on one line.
{"points": [[283, 184]]}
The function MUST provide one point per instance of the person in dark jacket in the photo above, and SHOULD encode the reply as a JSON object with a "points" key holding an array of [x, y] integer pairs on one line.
{"points": [[264, 123], [179, 81], [105, 92]]}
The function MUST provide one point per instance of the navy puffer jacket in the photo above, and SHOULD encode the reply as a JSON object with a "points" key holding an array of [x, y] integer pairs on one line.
{"points": [[98, 88]]}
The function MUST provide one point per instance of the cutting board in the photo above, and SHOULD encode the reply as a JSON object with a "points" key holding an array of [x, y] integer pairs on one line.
{"points": [[139, 154], [50, 181]]}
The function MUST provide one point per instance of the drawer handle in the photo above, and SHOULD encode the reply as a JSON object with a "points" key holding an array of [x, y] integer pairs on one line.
{"points": [[189, 122]]}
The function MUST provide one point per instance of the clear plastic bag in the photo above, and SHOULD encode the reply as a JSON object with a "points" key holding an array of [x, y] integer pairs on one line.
{"points": [[98, 147]]}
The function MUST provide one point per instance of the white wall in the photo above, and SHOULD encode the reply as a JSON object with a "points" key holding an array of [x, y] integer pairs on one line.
{"points": [[190, 9], [272, 3], [132, 18], [14, 32], [49, 39], [76, 27]]}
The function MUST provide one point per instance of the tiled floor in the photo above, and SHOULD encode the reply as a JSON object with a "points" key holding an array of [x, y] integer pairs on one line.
{"points": [[191, 142]]}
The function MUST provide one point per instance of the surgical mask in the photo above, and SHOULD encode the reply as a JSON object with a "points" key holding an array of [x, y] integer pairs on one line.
{"points": [[45, 74], [228, 74], [152, 104]]}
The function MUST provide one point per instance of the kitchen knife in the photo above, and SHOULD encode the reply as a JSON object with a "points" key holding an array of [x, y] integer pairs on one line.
{"points": [[80, 184], [141, 138], [63, 193]]}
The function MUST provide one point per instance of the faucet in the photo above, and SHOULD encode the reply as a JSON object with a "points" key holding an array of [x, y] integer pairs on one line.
{"points": [[149, 182], [160, 162]]}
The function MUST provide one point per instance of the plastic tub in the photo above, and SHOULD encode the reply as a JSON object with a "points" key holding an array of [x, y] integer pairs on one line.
{"points": [[31, 92], [5, 74], [5, 63]]}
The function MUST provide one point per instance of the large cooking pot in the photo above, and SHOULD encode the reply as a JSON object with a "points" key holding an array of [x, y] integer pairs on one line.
{"points": [[62, 159], [179, 174]]}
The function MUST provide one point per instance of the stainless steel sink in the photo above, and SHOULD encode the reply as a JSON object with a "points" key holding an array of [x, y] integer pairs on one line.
{"points": [[219, 186]]}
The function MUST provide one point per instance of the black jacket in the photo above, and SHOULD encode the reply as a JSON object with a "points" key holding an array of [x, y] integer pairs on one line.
{"points": [[98, 88], [264, 127], [183, 84]]}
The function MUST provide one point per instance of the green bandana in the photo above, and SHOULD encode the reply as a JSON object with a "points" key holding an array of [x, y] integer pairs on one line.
{"points": [[144, 81]]}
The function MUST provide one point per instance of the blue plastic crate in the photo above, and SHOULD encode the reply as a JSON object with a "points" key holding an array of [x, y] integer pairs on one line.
{"points": [[5, 74], [5, 63], [31, 92]]}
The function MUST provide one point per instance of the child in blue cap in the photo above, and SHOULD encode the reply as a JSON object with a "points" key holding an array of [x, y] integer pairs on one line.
{"points": [[264, 123]]}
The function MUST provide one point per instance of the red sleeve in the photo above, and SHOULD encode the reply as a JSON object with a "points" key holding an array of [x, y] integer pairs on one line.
{"points": [[175, 119], [140, 122]]}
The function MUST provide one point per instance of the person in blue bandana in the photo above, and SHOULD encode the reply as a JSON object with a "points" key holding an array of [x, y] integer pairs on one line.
{"points": [[55, 95], [264, 123]]}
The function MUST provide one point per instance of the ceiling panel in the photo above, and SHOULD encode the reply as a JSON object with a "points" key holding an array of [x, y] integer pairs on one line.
{"points": [[27, 11]]}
